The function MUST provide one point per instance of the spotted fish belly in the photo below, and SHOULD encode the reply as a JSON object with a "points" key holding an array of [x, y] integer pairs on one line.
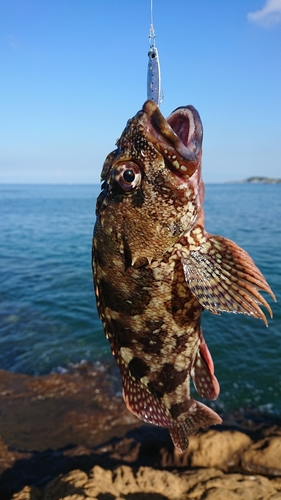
{"points": [[153, 323]]}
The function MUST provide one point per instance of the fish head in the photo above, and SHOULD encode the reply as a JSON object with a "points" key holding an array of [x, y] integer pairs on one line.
{"points": [[152, 189]]}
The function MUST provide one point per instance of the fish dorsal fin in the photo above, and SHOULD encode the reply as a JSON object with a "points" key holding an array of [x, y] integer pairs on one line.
{"points": [[223, 276]]}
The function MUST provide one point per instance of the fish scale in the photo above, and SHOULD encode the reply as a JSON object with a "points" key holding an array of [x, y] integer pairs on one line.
{"points": [[156, 269]]}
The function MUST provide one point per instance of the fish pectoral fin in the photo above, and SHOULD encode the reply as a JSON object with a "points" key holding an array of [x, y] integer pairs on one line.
{"points": [[223, 277], [198, 416], [202, 373]]}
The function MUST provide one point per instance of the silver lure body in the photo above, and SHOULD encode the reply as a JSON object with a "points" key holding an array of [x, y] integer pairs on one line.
{"points": [[153, 76]]}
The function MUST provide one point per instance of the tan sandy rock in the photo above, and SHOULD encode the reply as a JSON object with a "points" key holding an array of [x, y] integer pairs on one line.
{"points": [[211, 449], [235, 487], [216, 449], [118, 483], [65, 486], [28, 493], [264, 457], [148, 483]]}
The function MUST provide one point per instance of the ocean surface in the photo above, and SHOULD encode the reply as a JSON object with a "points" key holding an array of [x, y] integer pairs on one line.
{"points": [[48, 317]]}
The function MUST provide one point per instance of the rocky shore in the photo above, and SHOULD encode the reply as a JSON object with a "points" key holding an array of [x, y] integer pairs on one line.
{"points": [[257, 180], [69, 436]]}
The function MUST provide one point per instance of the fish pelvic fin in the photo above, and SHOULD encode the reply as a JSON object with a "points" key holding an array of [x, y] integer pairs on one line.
{"points": [[223, 277], [202, 372], [198, 416]]}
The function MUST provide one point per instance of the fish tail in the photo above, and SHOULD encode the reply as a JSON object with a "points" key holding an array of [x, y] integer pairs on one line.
{"points": [[198, 415]]}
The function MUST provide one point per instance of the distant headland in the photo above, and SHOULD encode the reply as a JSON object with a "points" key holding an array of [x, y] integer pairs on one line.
{"points": [[257, 180]]}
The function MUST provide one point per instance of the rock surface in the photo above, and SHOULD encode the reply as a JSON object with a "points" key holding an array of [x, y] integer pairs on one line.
{"points": [[69, 436], [147, 483]]}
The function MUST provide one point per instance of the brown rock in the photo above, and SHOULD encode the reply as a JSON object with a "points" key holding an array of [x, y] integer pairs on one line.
{"points": [[264, 457], [5, 458], [82, 408]]}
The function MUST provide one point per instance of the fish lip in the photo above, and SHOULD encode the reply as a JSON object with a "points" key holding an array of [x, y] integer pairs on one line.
{"points": [[182, 129]]}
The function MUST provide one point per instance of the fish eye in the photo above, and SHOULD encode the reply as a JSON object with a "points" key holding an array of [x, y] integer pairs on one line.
{"points": [[127, 175]]}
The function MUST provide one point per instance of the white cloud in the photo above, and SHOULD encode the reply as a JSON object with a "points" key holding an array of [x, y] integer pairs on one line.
{"points": [[269, 15]]}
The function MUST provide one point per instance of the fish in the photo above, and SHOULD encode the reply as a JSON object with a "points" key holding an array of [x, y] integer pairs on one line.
{"points": [[156, 270]]}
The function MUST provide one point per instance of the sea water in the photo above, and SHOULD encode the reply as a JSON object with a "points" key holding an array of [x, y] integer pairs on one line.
{"points": [[48, 316]]}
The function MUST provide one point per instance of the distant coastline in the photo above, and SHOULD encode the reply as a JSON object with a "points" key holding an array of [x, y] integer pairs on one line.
{"points": [[257, 180]]}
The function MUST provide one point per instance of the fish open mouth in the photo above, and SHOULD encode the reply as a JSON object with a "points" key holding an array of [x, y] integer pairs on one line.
{"points": [[187, 126], [180, 136]]}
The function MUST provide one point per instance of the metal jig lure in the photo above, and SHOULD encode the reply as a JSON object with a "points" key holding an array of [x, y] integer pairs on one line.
{"points": [[154, 91]]}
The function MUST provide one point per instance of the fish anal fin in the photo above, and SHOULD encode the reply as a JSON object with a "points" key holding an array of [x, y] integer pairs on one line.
{"points": [[142, 403], [223, 277], [198, 416], [202, 373], [149, 408]]}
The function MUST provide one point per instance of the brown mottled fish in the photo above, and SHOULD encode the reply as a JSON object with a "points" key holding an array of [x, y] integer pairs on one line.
{"points": [[156, 269]]}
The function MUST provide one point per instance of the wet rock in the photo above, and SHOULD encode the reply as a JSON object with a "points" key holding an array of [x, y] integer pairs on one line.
{"points": [[52, 411]]}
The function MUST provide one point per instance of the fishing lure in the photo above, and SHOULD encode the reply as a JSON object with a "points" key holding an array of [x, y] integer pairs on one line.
{"points": [[154, 92]]}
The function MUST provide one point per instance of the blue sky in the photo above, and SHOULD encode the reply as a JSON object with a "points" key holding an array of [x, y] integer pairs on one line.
{"points": [[74, 71]]}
